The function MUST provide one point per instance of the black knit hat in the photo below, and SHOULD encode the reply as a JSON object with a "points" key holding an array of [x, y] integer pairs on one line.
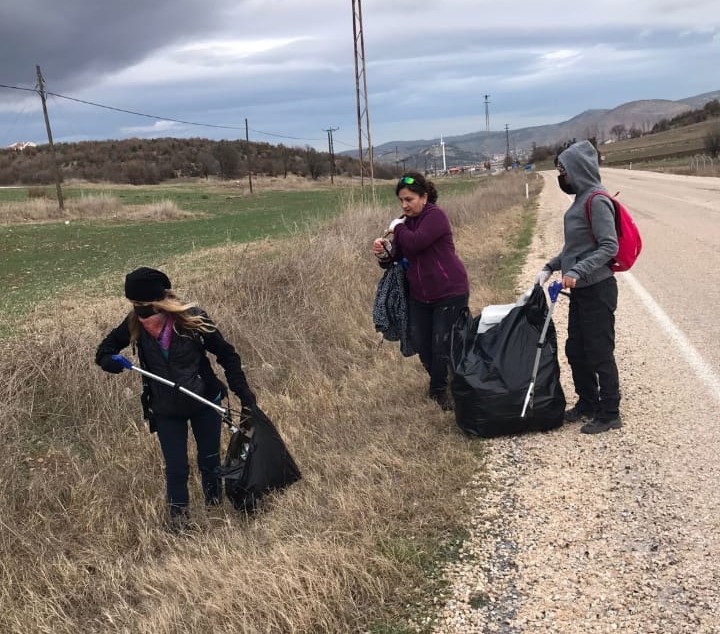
{"points": [[146, 285]]}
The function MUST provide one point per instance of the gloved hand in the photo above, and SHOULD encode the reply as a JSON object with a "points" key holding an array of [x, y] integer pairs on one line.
{"points": [[395, 223], [543, 276], [109, 364]]}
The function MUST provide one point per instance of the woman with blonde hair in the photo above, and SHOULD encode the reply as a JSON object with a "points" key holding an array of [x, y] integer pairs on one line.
{"points": [[172, 339]]}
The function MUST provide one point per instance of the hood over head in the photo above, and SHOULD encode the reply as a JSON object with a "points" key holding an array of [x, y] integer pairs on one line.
{"points": [[580, 162]]}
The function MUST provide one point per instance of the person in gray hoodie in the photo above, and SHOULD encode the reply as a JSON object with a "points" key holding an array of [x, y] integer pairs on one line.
{"points": [[589, 248]]}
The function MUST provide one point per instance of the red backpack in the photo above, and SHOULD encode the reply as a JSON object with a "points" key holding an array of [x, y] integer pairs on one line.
{"points": [[629, 240]]}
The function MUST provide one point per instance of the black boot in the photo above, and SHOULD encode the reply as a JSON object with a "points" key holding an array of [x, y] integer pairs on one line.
{"points": [[443, 399]]}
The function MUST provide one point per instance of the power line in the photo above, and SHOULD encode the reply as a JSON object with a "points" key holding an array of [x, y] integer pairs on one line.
{"points": [[18, 88], [141, 114], [159, 118]]}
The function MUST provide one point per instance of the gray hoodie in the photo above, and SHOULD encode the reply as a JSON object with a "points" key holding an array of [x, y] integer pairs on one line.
{"points": [[587, 250]]}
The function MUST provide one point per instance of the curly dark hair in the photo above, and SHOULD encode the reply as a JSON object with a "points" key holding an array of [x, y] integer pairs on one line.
{"points": [[416, 182]]}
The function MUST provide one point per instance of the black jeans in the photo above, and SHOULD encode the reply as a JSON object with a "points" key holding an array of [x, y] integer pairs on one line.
{"points": [[430, 326], [590, 347], [173, 435]]}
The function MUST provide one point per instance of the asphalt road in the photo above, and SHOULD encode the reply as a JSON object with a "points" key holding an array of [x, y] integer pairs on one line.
{"points": [[679, 219], [618, 532]]}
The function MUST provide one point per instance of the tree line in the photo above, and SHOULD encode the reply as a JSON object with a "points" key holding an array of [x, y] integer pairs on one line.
{"points": [[151, 161]]}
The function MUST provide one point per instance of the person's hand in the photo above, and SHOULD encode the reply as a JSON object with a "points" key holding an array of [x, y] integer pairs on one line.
{"points": [[395, 223], [542, 276], [381, 249], [568, 282], [109, 364]]}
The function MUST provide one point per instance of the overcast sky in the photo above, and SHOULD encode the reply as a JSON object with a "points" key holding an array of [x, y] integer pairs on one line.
{"points": [[288, 65]]}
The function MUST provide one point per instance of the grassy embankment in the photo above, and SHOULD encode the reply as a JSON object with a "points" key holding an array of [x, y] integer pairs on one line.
{"points": [[346, 549], [669, 151], [673, 151]]}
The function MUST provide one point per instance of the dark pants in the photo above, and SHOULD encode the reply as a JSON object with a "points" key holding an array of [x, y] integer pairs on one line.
{"points": [[173, 435], [590, 347], [430, 326]]}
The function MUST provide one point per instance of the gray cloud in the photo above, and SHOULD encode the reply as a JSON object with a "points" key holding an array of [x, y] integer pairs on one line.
{"points": [[288, 65]]}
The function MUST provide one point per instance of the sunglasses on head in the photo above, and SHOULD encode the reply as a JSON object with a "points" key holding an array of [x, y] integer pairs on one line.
{"points": [[407, 180]]}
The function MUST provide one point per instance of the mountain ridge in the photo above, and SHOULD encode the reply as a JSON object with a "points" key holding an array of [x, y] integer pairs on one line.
{"points": [[475, 147]]}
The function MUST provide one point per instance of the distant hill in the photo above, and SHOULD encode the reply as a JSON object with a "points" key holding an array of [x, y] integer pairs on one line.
{"points": [[480, 146]]}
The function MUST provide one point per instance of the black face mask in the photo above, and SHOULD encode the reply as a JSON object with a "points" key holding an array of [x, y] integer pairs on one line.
{"points": [[565, 186], [144, 311]]}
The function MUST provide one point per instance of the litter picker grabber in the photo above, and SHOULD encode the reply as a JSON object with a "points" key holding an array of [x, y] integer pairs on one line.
{"points": [[225, 412], [554, 289], [256, 461]]}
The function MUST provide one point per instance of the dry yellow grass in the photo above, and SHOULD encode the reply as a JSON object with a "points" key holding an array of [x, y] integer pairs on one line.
{"points": [[96, 206], [82, 543]]}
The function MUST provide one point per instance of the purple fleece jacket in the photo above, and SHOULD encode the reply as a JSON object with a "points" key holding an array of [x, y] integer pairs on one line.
{"points": [[435, 271]]}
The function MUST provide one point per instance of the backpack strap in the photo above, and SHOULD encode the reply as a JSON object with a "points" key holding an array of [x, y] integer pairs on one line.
{"points": [[588, 205]]}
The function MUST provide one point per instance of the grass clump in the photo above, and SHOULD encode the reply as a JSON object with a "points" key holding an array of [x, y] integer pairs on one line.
{"points": [[347, 549]]}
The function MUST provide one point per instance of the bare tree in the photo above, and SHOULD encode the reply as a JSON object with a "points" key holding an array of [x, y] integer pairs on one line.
{"points": [[618, 131], [227, 158], [315, 163], [712, 141]]}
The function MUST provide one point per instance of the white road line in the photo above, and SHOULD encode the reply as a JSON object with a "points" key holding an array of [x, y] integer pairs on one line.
{"points": [[701, 368]]}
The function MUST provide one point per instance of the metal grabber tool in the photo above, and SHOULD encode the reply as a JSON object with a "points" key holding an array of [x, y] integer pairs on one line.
{"points": [[554, 289], [224, 411]]}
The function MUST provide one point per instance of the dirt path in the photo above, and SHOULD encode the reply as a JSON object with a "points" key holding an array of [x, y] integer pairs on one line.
{"points": [[619, 531]]}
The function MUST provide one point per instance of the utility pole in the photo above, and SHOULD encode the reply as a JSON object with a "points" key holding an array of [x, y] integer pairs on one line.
{"points": [[247, 149], [363, 113], [331, 150], [508, 162], [58, 175]]}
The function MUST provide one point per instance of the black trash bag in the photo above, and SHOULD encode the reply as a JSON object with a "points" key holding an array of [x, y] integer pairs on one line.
{"points": [[491, 372], [256, 462]]}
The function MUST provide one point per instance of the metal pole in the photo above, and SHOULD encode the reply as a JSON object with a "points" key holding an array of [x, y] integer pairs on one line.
{"points": [[58, 175]]}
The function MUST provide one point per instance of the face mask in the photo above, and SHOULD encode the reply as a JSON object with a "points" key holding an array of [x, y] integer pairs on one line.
{"points": [[564, 185], [143, 312]]}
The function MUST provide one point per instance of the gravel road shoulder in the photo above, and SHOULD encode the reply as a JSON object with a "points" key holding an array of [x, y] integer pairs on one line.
{"points": [[614, 532]]}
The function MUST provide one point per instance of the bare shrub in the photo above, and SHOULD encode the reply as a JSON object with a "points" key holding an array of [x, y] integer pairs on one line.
{"points": [[91, 207], [712, 142], [81, 539], [37, 192]]}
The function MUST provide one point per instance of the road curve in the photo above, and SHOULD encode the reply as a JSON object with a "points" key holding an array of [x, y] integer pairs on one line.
{"points": [[619, 531]]}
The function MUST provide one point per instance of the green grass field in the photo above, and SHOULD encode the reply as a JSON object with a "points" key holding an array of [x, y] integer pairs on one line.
{"points": [[40, 260]]}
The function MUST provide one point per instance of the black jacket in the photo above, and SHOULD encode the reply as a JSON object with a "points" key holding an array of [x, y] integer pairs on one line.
{"points": [[187, 365]]}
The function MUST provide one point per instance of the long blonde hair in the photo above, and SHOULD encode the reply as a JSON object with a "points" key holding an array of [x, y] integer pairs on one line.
{"points": [[184, 319]]}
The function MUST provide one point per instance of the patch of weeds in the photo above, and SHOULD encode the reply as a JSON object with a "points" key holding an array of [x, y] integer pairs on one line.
{"points": [[404, 550], [391, 628], [511, 262], [478, 600], [428, 557]]}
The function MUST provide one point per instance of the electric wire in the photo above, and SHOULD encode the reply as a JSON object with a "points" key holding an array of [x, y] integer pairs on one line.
{"points": [[160, 118]]}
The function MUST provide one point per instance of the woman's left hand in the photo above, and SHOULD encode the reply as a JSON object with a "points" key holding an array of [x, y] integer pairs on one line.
{"points": [[568, 282]]}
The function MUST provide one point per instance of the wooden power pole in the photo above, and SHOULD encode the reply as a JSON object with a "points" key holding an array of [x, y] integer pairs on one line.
{"points": [[247, 149], [58, 175]]}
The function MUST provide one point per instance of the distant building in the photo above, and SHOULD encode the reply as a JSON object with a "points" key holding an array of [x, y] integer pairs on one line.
{"points": [[19, 146]]}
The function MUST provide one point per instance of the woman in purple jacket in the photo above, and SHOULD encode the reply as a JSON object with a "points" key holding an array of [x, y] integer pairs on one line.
{"points": [[436, 276]]}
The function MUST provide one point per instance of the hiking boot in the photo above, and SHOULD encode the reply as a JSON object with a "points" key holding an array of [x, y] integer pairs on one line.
{"points": [[577, 413], [598, 425]]}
